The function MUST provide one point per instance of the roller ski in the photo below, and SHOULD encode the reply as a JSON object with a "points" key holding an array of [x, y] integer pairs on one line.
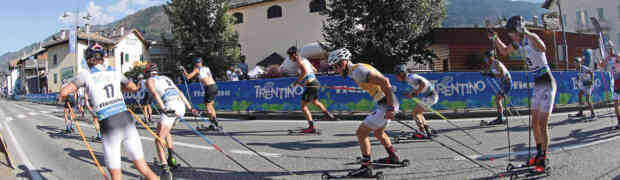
{"points": [[304, 131], [330, 117], [363, 172], [412, 136], [388, 161], [497, 122], [536, 167], [211, 127]]}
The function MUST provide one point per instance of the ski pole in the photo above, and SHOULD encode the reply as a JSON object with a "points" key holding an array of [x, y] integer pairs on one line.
{"points": [[90, 150], [162, 142], [452, 149], [418, 101], [215, 146]]}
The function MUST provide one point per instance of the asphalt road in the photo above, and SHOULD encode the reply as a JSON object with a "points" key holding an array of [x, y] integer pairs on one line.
{"points": [[580, 150]]}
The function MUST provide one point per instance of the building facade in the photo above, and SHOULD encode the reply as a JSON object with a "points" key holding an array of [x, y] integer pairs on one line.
{"points": [[130, 47], [62, 65], [577, 17], [272, 26]]}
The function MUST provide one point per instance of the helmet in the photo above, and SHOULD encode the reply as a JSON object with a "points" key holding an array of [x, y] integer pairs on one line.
{"points": [[400, 68], [292, 50], [151, 69], [513, 23], [337, 55], [93, 50], [197, 60]]}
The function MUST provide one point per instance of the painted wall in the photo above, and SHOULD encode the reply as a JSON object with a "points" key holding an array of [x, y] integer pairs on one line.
{"points": [[611, 11], [132, 48], [260, 37]]}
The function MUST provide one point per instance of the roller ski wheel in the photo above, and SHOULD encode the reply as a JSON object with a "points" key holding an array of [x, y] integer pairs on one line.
{"points": [[304, 131], [495, 122], [327, 176], [328, 118], [209, 128], [576, 115], [590, 118], [378, 162]]}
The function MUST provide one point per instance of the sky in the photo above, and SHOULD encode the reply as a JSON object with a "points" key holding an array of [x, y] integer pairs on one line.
{"points": [[28, 21]]}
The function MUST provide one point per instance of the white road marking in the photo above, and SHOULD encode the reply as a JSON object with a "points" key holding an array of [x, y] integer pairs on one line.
{"points": [[21, 116], [32, 113], [43, 112], [9, 119], [551, 149], [479, 157], [246, 152], [196, 146], [34, 174]]}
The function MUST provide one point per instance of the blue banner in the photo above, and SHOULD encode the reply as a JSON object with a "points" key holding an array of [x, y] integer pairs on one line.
{"points": [[457, 90]]}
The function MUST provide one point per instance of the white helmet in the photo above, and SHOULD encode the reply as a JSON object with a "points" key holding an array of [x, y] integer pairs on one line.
{"points": [[337, 55]]}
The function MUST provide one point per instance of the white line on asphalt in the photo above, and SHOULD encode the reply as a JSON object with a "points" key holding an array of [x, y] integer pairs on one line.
{"points": [[236, 151], [9, 119], [182, 144], [246, 152], [32, 113], [43, 112], [21, 116], [552, 149], [34, 173]]}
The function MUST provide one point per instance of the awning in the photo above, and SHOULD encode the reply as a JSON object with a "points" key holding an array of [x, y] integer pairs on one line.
{"points": [[274, 58]]}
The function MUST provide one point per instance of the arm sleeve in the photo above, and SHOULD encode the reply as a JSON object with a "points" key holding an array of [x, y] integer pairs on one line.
{"points": [[80, 80], [124, 79]]}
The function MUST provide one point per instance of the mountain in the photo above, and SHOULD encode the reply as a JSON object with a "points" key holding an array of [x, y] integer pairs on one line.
{"points": [[152, 22], [466, 13]]}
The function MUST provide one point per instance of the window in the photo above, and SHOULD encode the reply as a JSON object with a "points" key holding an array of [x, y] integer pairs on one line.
{"points": [[55, 78], [122, 58], [601, 13], [317, 5], [238, 18], [274, 12], [141, 57], [55, 59], [126, 57]]}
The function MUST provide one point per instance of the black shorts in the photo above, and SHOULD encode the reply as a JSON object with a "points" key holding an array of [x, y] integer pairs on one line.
{"points": [[68, 103], [311, 92], [210, 93], [119, 120], [148, 99]]}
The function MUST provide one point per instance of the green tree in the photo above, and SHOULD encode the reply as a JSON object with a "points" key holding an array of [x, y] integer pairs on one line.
{"points": [[383, 33], [203, 28]]}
